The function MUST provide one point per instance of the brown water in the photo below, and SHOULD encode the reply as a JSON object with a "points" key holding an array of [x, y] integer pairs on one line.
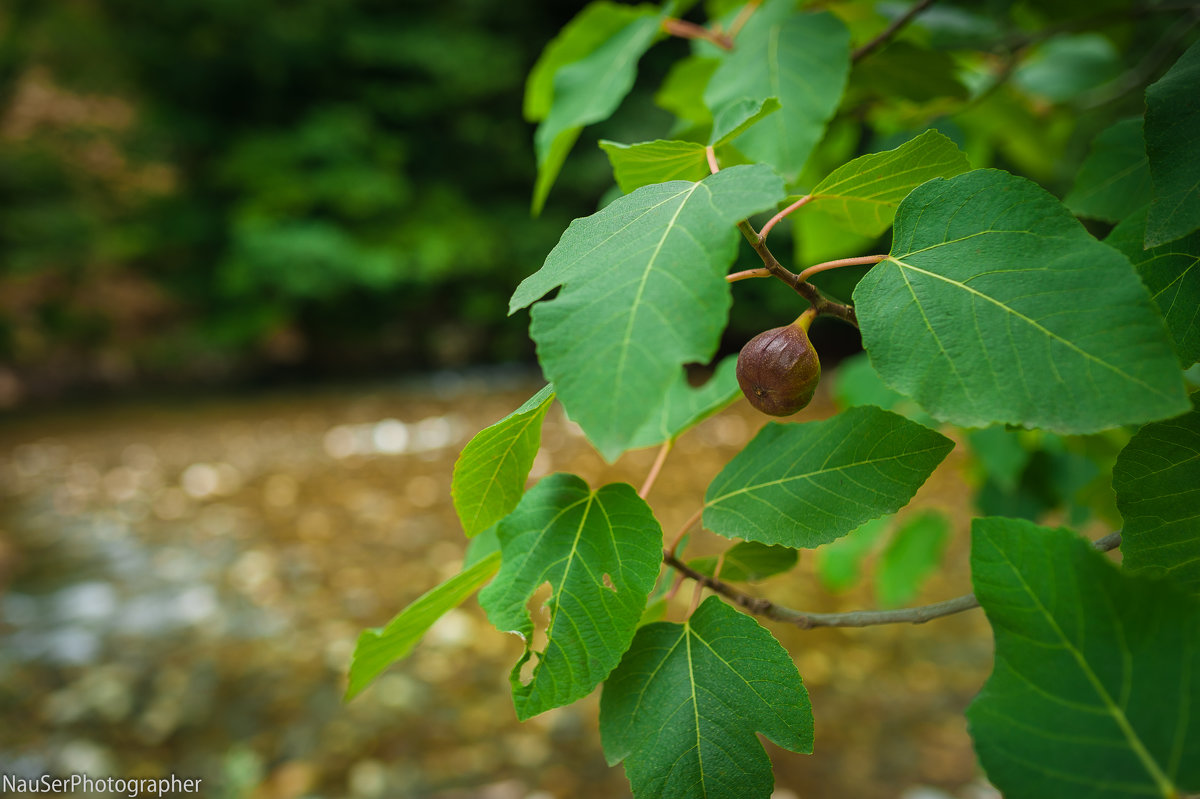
{"points": [[181, 587]]}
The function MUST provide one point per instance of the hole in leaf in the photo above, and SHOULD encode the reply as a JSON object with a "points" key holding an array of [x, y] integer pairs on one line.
{"points": [[529, 667], [538, 608], [608, 583]]}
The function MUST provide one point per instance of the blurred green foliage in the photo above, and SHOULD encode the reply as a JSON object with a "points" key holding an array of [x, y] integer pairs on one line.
{"points": [[194, 185]]}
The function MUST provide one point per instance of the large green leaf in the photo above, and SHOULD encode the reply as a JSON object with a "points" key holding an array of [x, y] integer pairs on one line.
{"points": [[685, 406], [600, 551], [598, 22], [643, 293], [1172, 274], [995, 305], [588, 90], [803, 485], [912, 554], [1157, 481], [863, 194], [1114, 180], [379, 648], [649, 162], [1097, 674], [682, 708], [801, 59], [1172, 118], [490, 474]]}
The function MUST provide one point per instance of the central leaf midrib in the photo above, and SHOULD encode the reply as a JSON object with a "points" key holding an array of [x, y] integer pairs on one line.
{"points": [[561, 587], [789, 478], [627, 340], [1118, 715], [1034, 324]]}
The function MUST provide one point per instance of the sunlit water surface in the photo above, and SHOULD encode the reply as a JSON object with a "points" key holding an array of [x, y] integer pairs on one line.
{"points": [[181, 586]]}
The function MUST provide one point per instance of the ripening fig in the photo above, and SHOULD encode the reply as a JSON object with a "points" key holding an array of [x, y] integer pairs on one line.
{"points": [[778, 369]]}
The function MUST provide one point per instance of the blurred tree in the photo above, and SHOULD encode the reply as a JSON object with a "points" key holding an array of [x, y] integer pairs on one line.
{"points": [[301, 181]]}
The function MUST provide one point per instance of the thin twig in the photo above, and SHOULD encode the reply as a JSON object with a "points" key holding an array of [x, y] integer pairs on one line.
{"points": [[654, 470], [827, 265], [710, 153], [889, 31], [747, 274], [690, 30], [855, 618], [743, 17], [775, 220], [806, 290], [695, 517]]}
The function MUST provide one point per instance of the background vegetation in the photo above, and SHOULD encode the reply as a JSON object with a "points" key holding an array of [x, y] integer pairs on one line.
{"points": [[203, 190]]}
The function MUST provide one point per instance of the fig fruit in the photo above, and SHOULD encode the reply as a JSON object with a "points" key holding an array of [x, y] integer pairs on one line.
{"points": [[778, 369]]}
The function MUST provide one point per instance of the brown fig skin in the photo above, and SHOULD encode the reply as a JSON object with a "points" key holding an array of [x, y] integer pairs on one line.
{"points": [[778, 370]]}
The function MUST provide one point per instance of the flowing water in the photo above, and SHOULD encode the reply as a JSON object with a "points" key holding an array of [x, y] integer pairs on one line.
{"points": [[181, 586]]}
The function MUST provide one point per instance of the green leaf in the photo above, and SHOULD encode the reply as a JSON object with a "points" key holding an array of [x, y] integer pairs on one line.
{"points": [[592, 27], [646, 163], [1157, 481], [748, 561], [588, 90], [1097, 673], [803, 485], [734, 119], [1172, 116], [801, 59], [644, 293], [682, 92], [490, 474], [1114, 180], [1172, 274], [682, 708], [600, 551], [910, 557], [840, 562], [863, 194], [995, 305], [379, 648], [685, 406]]}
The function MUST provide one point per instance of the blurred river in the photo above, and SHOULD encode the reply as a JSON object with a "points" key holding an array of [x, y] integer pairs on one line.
{"points": [[181, 586]]}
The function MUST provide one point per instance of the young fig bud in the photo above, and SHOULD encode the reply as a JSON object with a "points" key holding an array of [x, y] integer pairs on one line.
{"points": [[778, 369]]}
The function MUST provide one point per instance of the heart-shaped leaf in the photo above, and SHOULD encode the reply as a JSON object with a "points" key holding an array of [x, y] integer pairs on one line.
{"points": [[600, 551], [643, 293], [682, 708], [995, 305]]}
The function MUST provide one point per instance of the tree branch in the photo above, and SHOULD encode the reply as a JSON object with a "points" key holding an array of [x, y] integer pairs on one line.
{"points": [[690, 30], [889, 31], [806, 290], [644, 491], [827, 265], [856, 618], [773, 221]]}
